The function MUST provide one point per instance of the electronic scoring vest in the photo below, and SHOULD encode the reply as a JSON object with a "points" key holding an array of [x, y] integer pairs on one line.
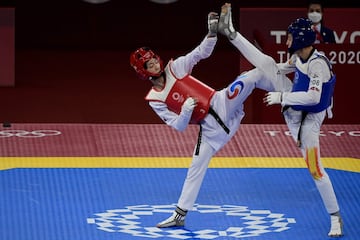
{"points": [[176, 91], [301, 83]]}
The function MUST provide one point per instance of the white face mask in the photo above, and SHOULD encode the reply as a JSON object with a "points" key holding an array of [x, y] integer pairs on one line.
{"points": [[315, 17]]}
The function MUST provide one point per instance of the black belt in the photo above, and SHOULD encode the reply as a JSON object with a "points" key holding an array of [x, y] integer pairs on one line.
{"points": [[303, 116], [221, 123], [218, 119], [198, 142]]}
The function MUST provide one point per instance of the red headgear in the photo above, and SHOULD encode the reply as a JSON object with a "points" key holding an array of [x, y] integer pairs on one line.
{"points": [[138, 60]]}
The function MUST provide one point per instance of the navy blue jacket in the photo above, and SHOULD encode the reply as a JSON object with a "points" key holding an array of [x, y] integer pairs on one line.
{"points": [[327, 35]]}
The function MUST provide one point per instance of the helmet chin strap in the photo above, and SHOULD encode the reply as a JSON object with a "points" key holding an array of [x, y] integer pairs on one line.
{"points": [[291, 51], [158, 83], [154, 77]]}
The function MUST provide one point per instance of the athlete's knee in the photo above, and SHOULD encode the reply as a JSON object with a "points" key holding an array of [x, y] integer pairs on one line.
{"points": [[313, 162]]}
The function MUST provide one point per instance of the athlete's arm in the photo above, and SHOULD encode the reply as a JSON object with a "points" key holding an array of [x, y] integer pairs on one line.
{"points": [[183, 65], [177, 121]]}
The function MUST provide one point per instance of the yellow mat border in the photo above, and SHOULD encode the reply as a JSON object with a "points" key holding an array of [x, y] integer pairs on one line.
{"points": [[346, 164]]}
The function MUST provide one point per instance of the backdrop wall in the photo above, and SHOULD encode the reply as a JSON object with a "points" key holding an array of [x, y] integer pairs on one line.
{"points": [[71, 57]]}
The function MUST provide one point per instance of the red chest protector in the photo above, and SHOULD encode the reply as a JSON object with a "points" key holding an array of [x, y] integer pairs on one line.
{"points": [[176, 91]]}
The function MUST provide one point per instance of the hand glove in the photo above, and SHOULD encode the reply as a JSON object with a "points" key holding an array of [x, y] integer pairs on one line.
{"points": [[273, 98], [189, 105], [213, 19]]}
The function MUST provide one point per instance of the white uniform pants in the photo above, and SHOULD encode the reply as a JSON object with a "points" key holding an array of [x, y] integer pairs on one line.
{"points": [[195, 176], [310, 149]]}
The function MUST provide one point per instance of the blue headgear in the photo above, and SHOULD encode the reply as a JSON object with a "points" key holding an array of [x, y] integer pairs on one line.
{"points": [[302, 33]]}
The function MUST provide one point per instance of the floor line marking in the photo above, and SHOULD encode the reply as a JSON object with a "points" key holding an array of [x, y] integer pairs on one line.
{"points": [[346, 164]]}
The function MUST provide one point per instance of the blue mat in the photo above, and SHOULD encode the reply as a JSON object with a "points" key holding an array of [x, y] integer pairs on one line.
{"points": [[106, 204]]}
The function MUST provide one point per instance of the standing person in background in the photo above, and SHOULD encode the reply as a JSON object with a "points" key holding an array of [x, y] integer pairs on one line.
{"points": [[315, 14]]}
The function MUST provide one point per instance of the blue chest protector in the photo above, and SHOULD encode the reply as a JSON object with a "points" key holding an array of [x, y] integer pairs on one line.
{"points": [[301, 83]]}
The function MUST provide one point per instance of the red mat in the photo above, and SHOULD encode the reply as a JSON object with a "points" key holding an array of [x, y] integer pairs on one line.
{"points": [[159, 140]]}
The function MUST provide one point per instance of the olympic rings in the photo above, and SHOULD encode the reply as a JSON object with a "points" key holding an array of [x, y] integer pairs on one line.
{"points": [[28, 134]]}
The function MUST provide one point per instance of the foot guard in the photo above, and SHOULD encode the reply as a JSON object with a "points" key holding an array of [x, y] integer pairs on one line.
{"points": [[171, 222], [336, 227]]}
